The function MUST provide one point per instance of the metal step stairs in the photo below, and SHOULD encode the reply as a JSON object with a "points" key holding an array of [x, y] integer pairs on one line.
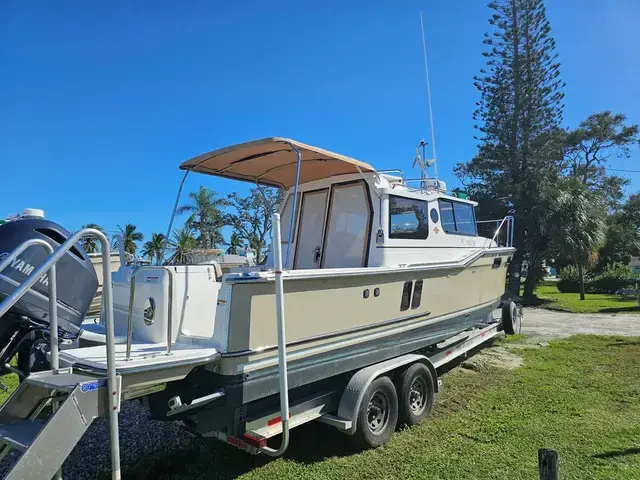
{"points": [[74, 400], [45, 441]]}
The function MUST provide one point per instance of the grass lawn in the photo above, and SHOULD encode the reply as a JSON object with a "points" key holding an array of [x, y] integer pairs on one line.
{"points": [[551, 298], [579, 396], [11, 382]]}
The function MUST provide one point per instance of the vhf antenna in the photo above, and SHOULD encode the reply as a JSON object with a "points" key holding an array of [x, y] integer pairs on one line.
{"points": [[433, 134]]}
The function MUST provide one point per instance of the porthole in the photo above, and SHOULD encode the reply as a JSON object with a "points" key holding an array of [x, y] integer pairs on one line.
{"points": [[434, 215], [149, 314], [365, 293]]}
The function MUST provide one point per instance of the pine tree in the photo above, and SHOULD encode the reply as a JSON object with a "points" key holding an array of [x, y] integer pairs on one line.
{"points": [[518, 117]]}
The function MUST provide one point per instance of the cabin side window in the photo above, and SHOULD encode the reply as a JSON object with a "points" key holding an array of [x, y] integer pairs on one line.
{"points": [[457, 217], [285, 219], [408, 218]]}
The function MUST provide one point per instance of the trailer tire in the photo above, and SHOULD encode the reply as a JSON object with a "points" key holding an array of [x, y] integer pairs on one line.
{"points": [[510, 318], [377, 415], [415, 394]]}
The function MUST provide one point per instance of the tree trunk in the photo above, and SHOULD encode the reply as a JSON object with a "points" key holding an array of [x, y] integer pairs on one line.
{"points": [[203, 238], [581, 277], [530, 283], [258, 249], [514, 274], [516, 263]]}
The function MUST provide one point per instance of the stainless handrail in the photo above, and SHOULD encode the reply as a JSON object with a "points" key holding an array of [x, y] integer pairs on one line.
{"points": [[509, 220], [282, 341], [107, 294], [294, 205], [132, 290]]}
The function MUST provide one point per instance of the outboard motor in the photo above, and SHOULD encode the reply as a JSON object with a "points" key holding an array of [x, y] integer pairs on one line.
{"points": [[27, 322]]}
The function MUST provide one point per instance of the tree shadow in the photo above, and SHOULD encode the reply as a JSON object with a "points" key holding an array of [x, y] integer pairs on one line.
{"points": [[635, 308], [624, 343], [617, 453], [535, 301]]}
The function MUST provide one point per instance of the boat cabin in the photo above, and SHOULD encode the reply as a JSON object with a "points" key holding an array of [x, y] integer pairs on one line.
{"points": [[347, 214]]}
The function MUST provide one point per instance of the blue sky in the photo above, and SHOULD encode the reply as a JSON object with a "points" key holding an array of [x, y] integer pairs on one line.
{"points": [[101, 101]]}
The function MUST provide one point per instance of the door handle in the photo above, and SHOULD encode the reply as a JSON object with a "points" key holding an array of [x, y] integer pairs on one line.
{"points": [[316, 255]]}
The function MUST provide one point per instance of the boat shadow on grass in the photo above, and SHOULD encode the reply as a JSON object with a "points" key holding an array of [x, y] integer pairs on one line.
{"points": [[309, 444], [208, 458]]}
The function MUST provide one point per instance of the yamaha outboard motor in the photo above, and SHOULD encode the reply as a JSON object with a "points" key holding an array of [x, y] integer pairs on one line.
{"points": [[27, 321]]}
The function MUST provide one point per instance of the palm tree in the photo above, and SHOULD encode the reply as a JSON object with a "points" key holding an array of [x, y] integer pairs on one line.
{"points": [[206, 215], [91, 244], [182, 241], [153, 249], [130, 237], [235, 242], [579, 225]]}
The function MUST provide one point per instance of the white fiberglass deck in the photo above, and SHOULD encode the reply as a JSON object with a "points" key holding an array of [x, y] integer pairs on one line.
{"points": [[142, 355]]}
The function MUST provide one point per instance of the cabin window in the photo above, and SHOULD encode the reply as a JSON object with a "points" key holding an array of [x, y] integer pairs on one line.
{"points": [[285, 219], [347, 226], [457, 217], [407, 218]]}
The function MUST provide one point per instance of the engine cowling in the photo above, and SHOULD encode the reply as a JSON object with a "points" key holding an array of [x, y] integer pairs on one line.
{"points": [[77, 283]]}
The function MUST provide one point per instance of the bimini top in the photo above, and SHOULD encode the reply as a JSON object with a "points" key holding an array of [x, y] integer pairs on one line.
{"points": [[272, 161]]}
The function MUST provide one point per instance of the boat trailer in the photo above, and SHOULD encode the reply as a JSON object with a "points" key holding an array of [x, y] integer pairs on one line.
{"points": [[49, 412]]}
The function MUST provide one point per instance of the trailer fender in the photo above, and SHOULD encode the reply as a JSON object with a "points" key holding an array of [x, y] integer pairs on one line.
{"points": [[354, 392]]}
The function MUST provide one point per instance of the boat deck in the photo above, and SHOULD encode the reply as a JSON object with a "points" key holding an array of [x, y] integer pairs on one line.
{"points": [[143, 355]]}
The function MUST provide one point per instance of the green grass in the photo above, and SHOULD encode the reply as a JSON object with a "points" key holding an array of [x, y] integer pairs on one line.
{"points": [[11, 382], [579, 396], [552, 298]]}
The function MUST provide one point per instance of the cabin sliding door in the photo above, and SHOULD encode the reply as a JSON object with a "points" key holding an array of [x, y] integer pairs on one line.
{"points": [[311, 229], [347, 227]]}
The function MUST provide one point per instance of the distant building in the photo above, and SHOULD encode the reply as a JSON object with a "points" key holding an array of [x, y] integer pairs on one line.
{"points": [[635, 264]]}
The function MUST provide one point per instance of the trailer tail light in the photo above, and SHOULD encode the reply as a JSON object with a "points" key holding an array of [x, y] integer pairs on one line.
{"points": [[255, 441]]}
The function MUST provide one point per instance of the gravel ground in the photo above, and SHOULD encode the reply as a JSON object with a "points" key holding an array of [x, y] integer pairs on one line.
{"points": [[143, 438], [548, 324], [139, 438]]}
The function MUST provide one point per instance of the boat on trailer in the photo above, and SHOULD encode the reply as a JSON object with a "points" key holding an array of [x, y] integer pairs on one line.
{"points": [[381, 277]]}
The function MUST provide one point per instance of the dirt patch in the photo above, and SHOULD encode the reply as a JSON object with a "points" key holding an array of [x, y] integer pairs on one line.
{"points": [[495, 357]]}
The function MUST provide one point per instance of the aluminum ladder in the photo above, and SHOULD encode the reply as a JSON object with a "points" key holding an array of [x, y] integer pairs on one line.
{"points": [[72, 401], [47, 415]]}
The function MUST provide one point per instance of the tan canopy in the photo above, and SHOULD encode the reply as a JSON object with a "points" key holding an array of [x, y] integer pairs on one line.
{"points": [[272, 161]]}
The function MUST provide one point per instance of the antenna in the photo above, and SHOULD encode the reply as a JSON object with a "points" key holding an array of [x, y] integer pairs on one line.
{"points": [[433, 134]]}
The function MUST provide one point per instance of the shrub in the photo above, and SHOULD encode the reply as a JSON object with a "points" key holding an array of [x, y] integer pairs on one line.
{"points": [[613, 278], [569, 280]]}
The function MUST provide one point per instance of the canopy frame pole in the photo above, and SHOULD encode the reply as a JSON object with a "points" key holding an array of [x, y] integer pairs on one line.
{"points": [[173, 215], [295, 204]]}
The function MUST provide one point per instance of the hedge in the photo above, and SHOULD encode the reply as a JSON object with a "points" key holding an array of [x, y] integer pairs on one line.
{"points": [[613, 278]]}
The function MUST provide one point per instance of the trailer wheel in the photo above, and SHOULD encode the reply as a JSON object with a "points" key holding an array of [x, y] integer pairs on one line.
{"points": [[510, 318], [415, 394], [378, 414]]}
